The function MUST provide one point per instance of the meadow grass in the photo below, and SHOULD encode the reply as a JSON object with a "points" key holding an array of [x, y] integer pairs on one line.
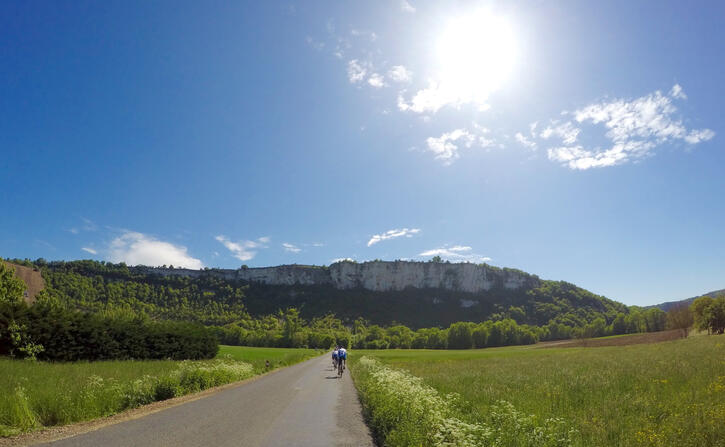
{"points": [[663, 394], [278, 357], [34, 395]]}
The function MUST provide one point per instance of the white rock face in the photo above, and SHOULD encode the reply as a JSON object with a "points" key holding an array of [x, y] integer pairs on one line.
{"points": [[376, 276]]}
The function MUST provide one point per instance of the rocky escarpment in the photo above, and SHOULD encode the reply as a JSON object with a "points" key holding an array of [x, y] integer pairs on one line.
{"points": [[376, 276]]}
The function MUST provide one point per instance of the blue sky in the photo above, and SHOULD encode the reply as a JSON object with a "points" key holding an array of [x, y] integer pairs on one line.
{"points": [[577, 141]]}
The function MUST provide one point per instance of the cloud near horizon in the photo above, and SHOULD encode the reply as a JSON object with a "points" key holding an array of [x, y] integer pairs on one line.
{"points": [[135, 248], [391, 234], [243, 250], [291, 247], [460, 253]]}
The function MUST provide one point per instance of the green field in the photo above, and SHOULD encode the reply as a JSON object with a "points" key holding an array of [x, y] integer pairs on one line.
{"points": [[663, 394], [278, 357], [34, 395]]}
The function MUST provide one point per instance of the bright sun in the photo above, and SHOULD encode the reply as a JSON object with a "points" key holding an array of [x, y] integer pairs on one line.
{"points": [[476, 55]]}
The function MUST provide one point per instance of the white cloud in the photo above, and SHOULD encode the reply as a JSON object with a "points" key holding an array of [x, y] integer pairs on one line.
{"points": [[243, 250], [456, 253], [635, 129], [405, 6], [391, 234], [677, 92], [135, 248], [696, 136], [336, 260], [376, 80], [445, 147], [525, 141], [567, 132], [400, 74], [291, 247], [89, 250], [440, 94], [356, 71]]}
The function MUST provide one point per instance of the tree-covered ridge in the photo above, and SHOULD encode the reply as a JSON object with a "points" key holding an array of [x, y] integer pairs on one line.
{"points": [[207, 299], [255, 314]]}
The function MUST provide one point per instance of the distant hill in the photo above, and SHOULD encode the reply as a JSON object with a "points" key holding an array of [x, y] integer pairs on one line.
{"points": [[32, 278], [670, 304], [417, 294]]}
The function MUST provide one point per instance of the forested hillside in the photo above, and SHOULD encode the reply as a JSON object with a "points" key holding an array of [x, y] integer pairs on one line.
{"points": [[251, 313], [92, 286]]}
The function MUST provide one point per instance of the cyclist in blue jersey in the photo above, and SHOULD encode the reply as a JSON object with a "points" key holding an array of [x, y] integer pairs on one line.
{"points": [[342, 356], [334, 358]]}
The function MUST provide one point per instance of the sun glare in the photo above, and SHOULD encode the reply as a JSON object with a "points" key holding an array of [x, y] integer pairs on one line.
{"points": [[476, 54]]}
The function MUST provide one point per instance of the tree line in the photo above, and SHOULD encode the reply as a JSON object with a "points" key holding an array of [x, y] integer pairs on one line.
{"points": [[48, 330]]}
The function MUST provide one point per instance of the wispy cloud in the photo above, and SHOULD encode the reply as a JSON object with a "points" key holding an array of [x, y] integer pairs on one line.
{"points": [[391, 234], [399, 73], [89, 250], [356, 71], [446, 148], [566, 131], [135, 248], [243, 250], [677, 92], [525, 141], [376, 80], [89, 225], [291, 247], [405, 6], [314, 43], [456, 253], [634, 127]]}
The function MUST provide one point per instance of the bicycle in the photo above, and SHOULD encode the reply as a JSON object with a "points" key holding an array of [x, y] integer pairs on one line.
{"points": [[340, 368]]}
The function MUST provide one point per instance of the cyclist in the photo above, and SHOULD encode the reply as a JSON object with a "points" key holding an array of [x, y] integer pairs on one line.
{"points": [[342, 356], [334, 358]]}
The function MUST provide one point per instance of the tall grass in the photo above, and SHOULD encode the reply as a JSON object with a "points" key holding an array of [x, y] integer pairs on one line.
{"points": [[403, 411], [34, 395], [664, 394]]}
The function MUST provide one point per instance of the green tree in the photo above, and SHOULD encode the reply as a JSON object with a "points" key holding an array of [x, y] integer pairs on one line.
{"points": [[11, 287], [698, 312], [680, 317], [460, 336]]}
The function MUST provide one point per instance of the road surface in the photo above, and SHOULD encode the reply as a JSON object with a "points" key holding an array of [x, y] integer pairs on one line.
{"points": [[302, 405]]}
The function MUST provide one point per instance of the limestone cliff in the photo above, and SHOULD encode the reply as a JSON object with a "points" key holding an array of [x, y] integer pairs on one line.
{"points": [[376, 276]]}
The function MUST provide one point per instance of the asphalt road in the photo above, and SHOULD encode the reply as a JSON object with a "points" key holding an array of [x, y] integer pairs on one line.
{"points": [[302, 405]]}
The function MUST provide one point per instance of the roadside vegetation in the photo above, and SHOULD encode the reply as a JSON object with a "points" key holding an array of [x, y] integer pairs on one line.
{"points": [[36, 394], [662, 394]]}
